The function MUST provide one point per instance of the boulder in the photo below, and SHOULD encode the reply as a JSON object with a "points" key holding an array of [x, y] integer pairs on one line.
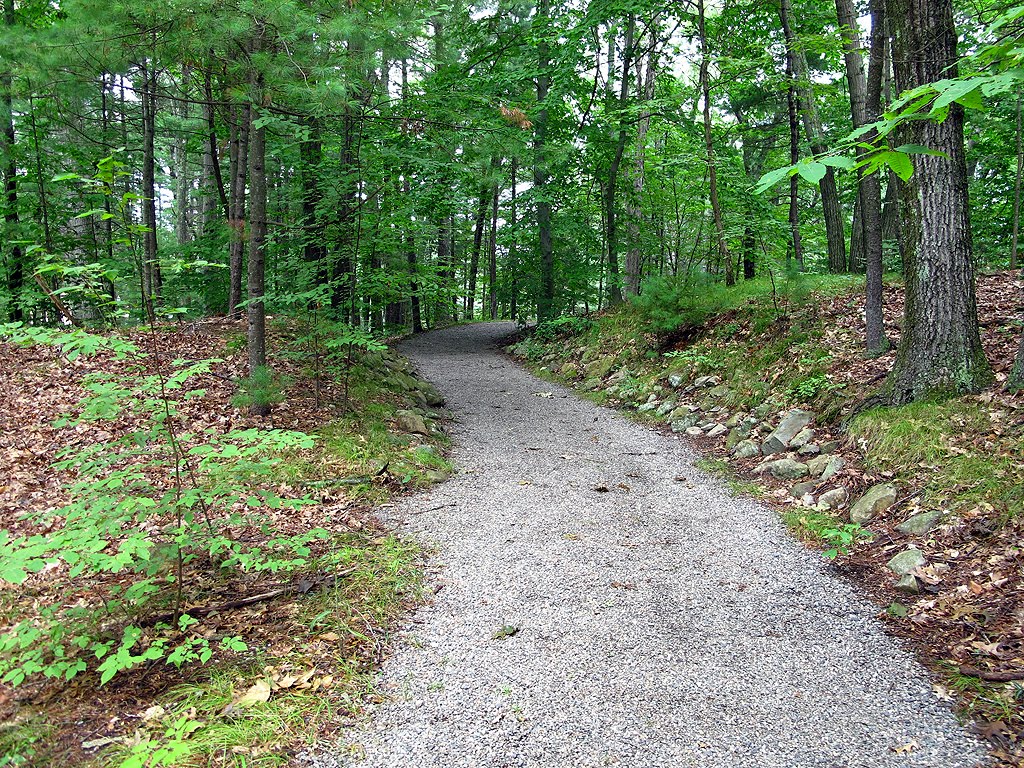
{"points": [[802, 489], [683, 423], [734, 438], [830, 446], [676, 380], [707, 381], [735, 420], [906, 561], [722, 390], [908, 583], [918, 525], [619, 376], [810, 449], [832, 467], [834, 499], [802, 438], [873, 503], [651, 405], [408, 421], [746, 449], [434, 398], [694, 431], [764, 409], [792, 423], [718, 430], [784, 469]]}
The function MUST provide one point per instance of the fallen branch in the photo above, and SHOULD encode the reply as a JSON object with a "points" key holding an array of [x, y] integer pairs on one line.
{"points": [[300, 588], [64, 311], [992, 676]]}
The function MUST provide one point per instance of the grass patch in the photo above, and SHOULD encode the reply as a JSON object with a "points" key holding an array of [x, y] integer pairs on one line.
{"points": [[721, 469], [949, 449]]}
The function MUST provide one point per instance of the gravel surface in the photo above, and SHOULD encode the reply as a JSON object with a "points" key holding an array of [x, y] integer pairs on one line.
{"points": [[661, 622]]}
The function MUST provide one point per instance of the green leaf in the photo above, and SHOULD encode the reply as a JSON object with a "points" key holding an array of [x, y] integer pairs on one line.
{"points": [[899, 163], [812, 171]]}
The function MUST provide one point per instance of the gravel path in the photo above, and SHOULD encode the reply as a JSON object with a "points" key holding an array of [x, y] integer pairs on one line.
{"points": [[661, 623]]}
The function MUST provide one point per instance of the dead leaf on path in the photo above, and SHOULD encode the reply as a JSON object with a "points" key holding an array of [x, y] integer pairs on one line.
{"points": [[623, 585], [942, 693], [153, 715], [601, 489], [97, 743], [544, 394], [907, 748], [330, 637], [506, 631]]}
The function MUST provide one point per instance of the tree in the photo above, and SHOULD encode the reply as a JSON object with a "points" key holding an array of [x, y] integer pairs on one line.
{"points": [[940, 348]]}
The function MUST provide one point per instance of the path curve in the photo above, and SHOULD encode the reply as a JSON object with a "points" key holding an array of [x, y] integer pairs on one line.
{"points": [[661, 623]]}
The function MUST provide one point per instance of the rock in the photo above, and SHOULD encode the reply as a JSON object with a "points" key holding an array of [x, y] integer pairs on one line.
{"points": [[694, 431], [873, 503], [650, 405], [802, 489], [784, 469], [831, 446], [908, 583], [601, 367], [619, 376], [832, 468], [718, 430], [802, 438], [791, 424], [434, 476], [683, 423], [807, 500], [434, 398], [569, 369], [745, 449], [906, 561], [707, 381], [408, 421], [816, 465], [676, 380], [734, 438], [836, 498], [763, 410], [811, 449], [706, 424], [666, 407], [722, 390], [918, 525]]}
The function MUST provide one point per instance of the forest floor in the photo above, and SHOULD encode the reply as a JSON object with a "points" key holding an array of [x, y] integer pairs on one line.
{"points": [[315, 632], [954, 468], [602, 601]]}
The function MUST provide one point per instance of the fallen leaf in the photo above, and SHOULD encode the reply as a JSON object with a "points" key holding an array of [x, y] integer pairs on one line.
{"points": [[258, 692], [907, 748], [506, 631]]}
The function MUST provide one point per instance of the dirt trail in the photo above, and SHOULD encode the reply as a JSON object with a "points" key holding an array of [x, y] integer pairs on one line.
{"points": [[606, 604]]}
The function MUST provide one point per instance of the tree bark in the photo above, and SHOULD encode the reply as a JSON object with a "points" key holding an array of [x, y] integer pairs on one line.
{"points": [[239, 153], [256, 312], [314, 230], [492, 271], [612, 183], [940, 350], [645, 90], [1016, 188], [870, 186], [150, 258], [16, 258], [469, 301], [853, 59], [796, 245], [716, 207], [830, 207], [541, 174]]}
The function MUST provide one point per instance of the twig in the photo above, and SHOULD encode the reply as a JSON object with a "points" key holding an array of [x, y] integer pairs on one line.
{"points": [[992, 676]]}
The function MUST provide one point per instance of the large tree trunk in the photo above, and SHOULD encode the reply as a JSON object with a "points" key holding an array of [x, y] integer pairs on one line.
{"points": [[541, 174], [256, 311], [645, 90], [213, 182], [870, 186], [846, 15], [180, 165], [1016, 189], [831, 210], [709, 146], [410, 260], [15, 265], [612, 183], [940, 350], [796, 246], [314, 231], [239, 162]]}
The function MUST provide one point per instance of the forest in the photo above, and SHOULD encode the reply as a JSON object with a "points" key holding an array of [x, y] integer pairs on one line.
{"points": [[219, 218], [401, 167]]}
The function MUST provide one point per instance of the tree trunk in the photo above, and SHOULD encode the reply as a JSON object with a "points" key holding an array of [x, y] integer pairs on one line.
{"points": [[645, 90], [871, 193], [1016, 190], [150, 258], [492, 272], [612, 183], [469, 301], [256, 312], [541, 174], [240, 129], [314, 234], [716, 207], [16, 259], [830, 208], [182, 175], [940, 350], [213, 182], [797, 251], [410, 259], [857, 85]]}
